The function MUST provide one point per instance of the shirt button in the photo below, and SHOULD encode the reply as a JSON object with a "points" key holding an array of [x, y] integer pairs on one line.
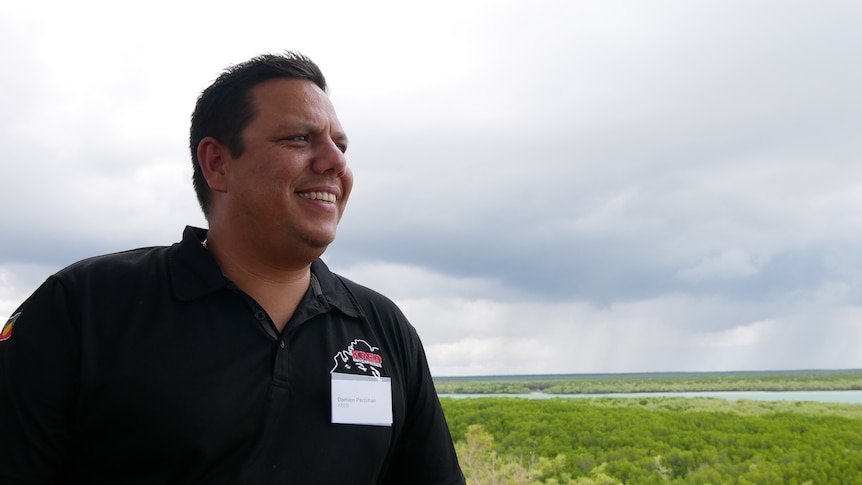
{"points": [[260, 315], [281, 344]]}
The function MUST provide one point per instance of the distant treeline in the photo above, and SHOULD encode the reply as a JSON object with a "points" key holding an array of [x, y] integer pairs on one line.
{"points": [[807, 380], [647, 441]]}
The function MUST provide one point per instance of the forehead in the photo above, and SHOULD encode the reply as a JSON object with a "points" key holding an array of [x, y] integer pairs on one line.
{"points": [[284, 100]]}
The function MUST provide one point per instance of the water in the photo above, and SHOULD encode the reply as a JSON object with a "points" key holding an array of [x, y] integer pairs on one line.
{"points": [[854, 397]]}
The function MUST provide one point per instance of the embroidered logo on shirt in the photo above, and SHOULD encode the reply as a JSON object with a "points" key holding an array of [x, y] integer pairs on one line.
{"points": [[360, 357], [6, 333]]}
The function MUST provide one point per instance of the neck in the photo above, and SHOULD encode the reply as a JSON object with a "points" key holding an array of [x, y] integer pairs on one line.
{"points": [[278, 286]]}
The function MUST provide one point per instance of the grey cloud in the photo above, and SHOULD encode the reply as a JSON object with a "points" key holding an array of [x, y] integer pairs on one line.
{"points": [[556, 153]]}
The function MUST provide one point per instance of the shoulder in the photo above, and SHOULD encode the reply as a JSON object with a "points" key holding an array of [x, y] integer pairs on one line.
{"points": [[186, 254], [114, 264], [347, 294], [364, 293], [375, 306], [375, 309]]}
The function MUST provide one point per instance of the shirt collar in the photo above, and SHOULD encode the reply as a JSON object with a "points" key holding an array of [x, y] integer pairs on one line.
{"points": [[195, 273], [331, 287]]}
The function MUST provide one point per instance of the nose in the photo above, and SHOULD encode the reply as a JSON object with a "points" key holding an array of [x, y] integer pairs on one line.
{"points": [[329, 159]]}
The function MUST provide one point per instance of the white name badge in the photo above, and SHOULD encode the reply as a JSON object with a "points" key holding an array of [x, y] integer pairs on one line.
{"points": [[361, 400]]}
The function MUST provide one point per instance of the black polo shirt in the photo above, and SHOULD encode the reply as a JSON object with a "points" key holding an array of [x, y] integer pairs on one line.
{"points": [[149, 366]]}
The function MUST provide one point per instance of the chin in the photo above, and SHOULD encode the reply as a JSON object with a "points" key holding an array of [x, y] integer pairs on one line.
{"points": [[319, 242]]}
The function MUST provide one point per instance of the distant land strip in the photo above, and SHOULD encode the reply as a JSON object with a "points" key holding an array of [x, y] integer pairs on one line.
{"points": [[774, 381]]}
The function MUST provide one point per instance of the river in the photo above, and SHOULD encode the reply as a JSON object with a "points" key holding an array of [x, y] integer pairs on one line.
{"points": [[853, 397]]}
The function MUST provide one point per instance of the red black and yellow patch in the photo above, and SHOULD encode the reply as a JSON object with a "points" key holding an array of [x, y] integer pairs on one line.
{"points": [[7, 329]]}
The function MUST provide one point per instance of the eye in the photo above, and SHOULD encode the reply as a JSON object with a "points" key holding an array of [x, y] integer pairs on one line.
{"points": [[297, 138], [342, 147]]}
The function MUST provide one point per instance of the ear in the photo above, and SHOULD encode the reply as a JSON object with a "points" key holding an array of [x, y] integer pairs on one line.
{"points": [[212, 157]]}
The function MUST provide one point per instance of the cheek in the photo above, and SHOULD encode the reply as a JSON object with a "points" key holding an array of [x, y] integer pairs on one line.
{"points": [[346, 184], [278, 179]]}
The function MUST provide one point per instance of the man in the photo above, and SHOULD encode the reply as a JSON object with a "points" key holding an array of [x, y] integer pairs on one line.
{"points": [[234, 356]]}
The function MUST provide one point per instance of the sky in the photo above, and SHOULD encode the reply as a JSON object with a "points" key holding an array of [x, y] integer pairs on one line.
{"points": [[543, 187]]}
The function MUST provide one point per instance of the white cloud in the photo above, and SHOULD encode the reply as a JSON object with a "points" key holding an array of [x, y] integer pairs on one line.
{"points": [[400, 281], [740, 336], [17, 281], [489, 356], [733, 263], [670, 333], [554, 177]]}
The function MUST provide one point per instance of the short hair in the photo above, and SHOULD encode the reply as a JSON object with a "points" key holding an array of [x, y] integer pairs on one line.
{"points": [[226, 107]]}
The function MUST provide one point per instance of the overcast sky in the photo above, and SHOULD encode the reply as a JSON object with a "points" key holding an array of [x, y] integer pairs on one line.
{"points": [[542, 186]]}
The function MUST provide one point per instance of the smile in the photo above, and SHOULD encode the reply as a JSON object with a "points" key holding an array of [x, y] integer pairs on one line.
{"points": [[324, 196]]}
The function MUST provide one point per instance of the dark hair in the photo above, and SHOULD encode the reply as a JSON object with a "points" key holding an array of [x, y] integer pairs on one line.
{"points": [[226, 107]]}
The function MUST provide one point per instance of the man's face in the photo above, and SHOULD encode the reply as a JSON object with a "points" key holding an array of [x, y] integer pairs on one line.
{"points": [[290, 186]]}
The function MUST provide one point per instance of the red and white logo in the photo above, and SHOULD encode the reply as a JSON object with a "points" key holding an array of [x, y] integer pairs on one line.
{"points": [[360, 357]]}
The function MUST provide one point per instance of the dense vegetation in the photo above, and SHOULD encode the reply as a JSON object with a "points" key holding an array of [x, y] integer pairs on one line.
{"points": [[664, 382], [655, 441]]}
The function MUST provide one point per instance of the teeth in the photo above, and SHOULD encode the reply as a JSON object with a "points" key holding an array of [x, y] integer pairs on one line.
{"points": [[324, 196]]}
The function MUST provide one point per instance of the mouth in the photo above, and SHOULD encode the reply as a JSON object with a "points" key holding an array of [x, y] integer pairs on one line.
{"points": [[321, 196]]}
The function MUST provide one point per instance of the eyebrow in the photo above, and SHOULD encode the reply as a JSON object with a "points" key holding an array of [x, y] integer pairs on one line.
{"points": [[339, 136]]}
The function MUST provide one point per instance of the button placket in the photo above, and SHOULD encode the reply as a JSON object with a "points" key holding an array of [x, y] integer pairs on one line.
{"points": [[280, 371]]}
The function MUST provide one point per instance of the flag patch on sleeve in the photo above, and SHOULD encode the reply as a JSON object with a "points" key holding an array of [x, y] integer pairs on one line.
{"points": [[7, 329]]}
